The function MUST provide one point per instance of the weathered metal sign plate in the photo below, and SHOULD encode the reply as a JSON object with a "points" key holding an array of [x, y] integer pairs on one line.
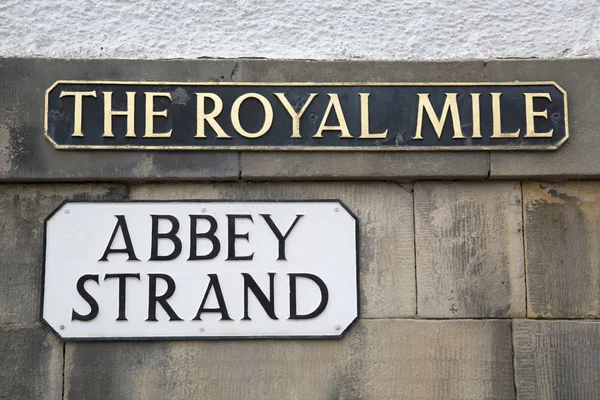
{"points": [[200, 269], [306, 116]]}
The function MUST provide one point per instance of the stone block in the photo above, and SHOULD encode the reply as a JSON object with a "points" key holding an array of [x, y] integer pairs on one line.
{"points": [[469, 244], [562, 232], [377, 359], [23, 209], [32, 363], [384, 210], [25, 154], [360, 71], [398, 165], [578, 156], [556, 360], [362, 166]]}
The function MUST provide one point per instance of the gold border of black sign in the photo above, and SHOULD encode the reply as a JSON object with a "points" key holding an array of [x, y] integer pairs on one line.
{"points": [[307, 148]]}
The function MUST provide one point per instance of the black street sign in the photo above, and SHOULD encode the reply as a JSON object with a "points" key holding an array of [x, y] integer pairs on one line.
{"points": [[306, 116]]}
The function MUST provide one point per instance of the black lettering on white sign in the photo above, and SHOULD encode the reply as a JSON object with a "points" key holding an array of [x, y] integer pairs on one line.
{"points": [[201, 269]]}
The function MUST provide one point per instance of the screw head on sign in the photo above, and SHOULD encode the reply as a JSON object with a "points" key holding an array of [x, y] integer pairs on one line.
{"points": [[201, 329], [337, 327], [203, 209], [66, 211], [336, 209], [62, 327]]}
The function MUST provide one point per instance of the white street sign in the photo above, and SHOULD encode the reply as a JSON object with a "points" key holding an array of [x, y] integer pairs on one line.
{"points": [[200, 269]]}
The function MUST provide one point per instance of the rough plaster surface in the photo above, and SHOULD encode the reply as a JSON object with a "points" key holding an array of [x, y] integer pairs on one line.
{"points": [[363, 29]]}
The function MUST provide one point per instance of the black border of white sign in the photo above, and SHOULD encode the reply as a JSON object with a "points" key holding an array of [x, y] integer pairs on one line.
{"points": [[85, 236]]}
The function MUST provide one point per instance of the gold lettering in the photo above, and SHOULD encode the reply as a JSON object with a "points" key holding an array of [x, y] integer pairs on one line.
{"points": [[364, 120], [295, 115], [78, 109], [210, 117], [150, 114], [530, 115], [235, 115], [438, 124], [334, 102], [109, 113], [476, 116], [497, 118]]}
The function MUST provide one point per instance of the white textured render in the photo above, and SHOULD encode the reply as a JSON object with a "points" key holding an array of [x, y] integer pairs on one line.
{"points": [[300, 29]]}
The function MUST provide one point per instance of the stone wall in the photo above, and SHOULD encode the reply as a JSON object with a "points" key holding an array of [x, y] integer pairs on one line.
{"points": [[480, 271]]}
